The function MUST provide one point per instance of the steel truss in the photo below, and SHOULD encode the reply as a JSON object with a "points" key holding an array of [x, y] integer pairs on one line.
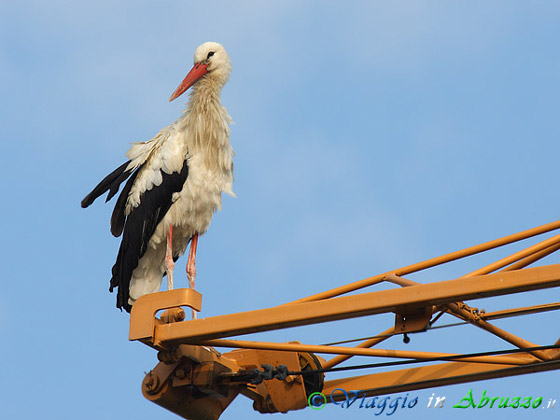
{"points": [[197, 382]]}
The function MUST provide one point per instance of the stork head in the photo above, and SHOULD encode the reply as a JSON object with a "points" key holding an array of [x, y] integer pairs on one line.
{"points": [[211, 61]]}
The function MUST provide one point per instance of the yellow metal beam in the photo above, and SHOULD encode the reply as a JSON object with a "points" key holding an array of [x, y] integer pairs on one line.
{"points": [[355, 351], [439, 293], [432, 376], [413, 268], [521, 311]]}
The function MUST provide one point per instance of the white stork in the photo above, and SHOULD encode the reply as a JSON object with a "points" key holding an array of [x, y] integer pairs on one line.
{"points": [[175, 182]]}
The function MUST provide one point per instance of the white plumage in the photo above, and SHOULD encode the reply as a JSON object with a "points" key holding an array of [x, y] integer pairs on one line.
{"points": [[176, 182]]}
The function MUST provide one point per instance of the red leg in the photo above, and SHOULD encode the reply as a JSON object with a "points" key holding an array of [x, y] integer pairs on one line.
{"points": [[191, 269], [169, 263]]}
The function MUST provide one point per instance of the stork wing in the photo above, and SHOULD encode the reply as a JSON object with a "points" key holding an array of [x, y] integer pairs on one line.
{"points": [[139, 226]]}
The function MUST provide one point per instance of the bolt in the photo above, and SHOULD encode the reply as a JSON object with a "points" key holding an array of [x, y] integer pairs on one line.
{"points": [[151, 382], [179, 315]]}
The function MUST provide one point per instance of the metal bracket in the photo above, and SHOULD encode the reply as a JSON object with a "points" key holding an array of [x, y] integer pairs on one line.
{"points": [[142, 315], [413, 321]]}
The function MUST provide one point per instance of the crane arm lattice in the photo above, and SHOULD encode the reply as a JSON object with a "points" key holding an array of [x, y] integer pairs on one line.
{"points": [[197, 382]]}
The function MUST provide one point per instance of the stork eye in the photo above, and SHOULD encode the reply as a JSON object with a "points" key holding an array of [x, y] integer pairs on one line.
{"points": [[210, 54]]}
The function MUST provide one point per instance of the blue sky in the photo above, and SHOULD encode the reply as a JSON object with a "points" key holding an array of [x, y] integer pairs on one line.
{"points": [[369, 135]]}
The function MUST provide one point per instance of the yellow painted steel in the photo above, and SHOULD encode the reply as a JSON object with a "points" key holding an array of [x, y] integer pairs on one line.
{"points": [[196, 381]]}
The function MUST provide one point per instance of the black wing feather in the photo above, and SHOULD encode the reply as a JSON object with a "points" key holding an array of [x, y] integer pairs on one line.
{"points": [[139, 227], [118, 216], [110, 183]]}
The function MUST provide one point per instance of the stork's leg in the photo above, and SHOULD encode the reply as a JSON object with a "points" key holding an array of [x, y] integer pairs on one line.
{"points": [[169, 263], [191, 269]]}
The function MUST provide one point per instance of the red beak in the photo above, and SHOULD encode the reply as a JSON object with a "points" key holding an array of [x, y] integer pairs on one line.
{"points": [[196, 73]]}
